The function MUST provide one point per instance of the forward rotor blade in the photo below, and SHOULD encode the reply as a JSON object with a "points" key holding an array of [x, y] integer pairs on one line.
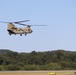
{"points": [[30, 25], [37, 25], [21, 24]]}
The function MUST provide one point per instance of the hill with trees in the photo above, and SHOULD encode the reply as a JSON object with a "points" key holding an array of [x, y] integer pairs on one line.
{"points": [[48, 60], [4, 51]]}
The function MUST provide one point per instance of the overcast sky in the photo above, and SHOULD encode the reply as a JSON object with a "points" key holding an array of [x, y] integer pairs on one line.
{"points": [[58, 15]]}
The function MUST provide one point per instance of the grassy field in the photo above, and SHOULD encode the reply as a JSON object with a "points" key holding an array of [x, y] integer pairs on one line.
{"points": [[70, 72]]}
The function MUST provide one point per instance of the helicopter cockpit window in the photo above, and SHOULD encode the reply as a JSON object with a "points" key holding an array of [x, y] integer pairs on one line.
{"points": [[28, 29]]}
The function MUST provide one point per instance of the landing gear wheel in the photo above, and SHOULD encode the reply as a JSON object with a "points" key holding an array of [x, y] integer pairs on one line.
{"points": [[20, 34], [25, 34], [9, 33]]}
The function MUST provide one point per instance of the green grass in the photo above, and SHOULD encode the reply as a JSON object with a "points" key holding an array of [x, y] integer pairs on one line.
{"points": [[37, 72]]}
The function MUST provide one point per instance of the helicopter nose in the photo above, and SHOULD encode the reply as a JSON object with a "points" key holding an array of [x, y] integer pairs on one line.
{"points": [[31, 31]]}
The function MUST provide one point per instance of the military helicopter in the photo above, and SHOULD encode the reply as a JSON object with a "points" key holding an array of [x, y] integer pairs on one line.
{"points": [[12, 29]]}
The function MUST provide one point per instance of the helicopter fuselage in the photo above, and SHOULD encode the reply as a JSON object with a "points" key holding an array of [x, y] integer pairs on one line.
{"points": [[14, 30]]}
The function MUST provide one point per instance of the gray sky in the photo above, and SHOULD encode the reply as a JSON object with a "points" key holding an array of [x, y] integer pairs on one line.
{"points": [[58, 15]]}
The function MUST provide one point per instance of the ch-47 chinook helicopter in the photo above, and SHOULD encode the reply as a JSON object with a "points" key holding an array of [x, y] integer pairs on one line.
{"points": [[12, 29]]}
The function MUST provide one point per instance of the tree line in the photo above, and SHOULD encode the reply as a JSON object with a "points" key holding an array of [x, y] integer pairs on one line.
{"points": [[48, 60]]}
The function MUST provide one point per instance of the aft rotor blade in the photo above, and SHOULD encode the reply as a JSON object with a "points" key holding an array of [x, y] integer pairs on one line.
{"points": [[21, 21], [5, 22], [15, 22]]}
